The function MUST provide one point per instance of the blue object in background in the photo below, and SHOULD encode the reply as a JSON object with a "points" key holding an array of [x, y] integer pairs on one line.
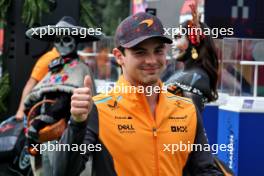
{"points": [[245, 17], [245, 131], [210, 120]]}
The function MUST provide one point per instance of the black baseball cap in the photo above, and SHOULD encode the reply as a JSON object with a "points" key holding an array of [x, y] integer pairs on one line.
{"points": [[137, 28]]}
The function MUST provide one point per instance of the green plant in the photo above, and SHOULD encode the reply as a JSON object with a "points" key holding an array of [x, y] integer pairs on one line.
{"points": [[4, 5], [86, 10], [33, 11], [4, 91]]}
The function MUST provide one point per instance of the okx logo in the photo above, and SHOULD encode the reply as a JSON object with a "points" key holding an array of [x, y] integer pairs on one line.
{"points": [[179, 129], [126, 128]]}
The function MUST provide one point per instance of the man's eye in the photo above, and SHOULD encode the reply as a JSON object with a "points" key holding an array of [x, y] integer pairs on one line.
{"points": [[160, 51], [140, 52]]}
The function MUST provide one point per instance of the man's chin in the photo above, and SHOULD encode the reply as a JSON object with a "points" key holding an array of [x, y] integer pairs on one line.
{"points": [[150, 80]]}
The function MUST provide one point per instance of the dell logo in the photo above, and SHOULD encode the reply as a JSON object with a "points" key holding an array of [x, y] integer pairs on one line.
{"points": [[125, 127]]}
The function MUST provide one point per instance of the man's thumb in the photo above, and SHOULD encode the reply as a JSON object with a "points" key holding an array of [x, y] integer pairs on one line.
{"points": [[87, 81]]}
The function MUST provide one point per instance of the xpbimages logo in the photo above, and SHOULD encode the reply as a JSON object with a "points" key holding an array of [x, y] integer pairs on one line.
{"points": [[214, 32], [63, 31], [190, 147], [55, 146]]}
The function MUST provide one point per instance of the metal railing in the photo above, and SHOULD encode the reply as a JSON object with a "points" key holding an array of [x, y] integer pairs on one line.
{"points": [[256, 64]]}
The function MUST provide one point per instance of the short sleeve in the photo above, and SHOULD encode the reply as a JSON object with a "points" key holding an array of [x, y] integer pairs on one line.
{"points": [[41, 67]]}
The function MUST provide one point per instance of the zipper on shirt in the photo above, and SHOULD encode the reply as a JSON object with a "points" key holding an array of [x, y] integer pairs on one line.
{"points": [[152, 120], [154, 130]]}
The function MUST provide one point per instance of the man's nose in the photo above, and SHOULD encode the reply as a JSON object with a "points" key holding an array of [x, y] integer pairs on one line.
{"points": [[151, 59]]}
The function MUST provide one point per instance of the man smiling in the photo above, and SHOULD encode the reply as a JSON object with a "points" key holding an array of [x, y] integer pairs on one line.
{"points": [[134, 144]]}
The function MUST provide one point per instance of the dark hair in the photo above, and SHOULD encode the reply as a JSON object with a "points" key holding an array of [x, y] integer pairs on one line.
{"points": [[207, 60], [122, 49]]}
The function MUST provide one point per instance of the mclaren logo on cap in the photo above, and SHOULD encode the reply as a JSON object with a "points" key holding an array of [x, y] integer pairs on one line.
{"points": [[149, 22]]}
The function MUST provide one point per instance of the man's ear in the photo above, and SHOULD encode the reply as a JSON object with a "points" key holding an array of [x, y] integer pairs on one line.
{"points": [[119, 56]]}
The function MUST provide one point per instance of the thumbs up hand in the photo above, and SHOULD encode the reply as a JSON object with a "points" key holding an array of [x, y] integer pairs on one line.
{"points": [[81, 101]]}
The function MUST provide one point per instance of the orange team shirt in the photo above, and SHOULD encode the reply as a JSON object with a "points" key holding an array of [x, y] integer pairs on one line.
{"points": [[41, 67]]}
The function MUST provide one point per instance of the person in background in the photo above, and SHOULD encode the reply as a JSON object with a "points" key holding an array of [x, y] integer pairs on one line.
{"points": [[89, 60], [105, 69], [198, 80], [54, 91], [39, 71], [101, 65]]}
